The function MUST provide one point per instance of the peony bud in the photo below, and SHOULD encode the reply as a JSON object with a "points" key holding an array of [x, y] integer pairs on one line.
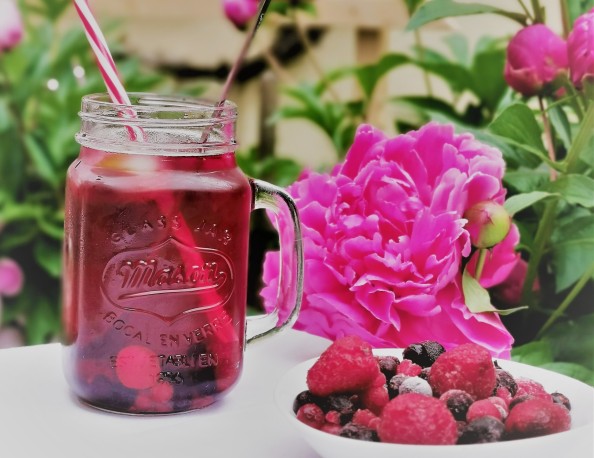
{"points": [[488, 224], [11, 25], [240, 11], [11, 277], [580, 47], [535, 56]]}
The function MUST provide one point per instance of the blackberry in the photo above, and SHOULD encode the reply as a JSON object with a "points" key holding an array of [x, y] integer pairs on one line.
{"points": [[306, 397], [425, 353], [344, 404], [388, 365], [505, 380], [354, 431], [482, 430], [559, 398], [425, 373], [458, 402]]}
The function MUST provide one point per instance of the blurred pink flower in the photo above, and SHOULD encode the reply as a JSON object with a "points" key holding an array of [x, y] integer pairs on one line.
{"points": [[580, 45], [384, 241], [11, 25], [240, 11], [11, 277], [535, 56]]}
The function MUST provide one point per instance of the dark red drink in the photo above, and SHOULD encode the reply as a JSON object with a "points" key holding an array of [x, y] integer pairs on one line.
{"points": [[156, 259]]}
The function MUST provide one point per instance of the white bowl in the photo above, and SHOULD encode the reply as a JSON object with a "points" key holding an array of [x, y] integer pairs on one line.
{"points": [[578, 442]]}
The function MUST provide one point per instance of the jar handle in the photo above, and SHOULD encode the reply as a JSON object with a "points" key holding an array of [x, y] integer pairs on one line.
{"points": [[290, 279]]}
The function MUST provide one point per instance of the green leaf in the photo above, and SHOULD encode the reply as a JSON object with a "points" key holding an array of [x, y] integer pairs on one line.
{"points": [[477, 298], [412, 5], [579, 348], [370, 75], [573, 250], [519, 202], [575, 189], [561, 124], [526, 180], [458, 44], [572, 370], [49, 256], [534, 353], [518, 123], [440, 9], [487, 72], [40, 159], [458, 77]]}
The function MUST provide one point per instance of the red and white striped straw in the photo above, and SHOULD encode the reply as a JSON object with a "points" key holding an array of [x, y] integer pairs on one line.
{"points": [[106, 64]]}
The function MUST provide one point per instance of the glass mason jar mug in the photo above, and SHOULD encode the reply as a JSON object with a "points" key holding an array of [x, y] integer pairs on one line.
{"points": [[156, 256]]}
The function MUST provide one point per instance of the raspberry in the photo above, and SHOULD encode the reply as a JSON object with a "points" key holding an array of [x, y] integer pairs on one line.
{"points": [[482, 430], [501, 405], [483, 408], [415, 385], [354, 431], [416, 419], [533, 388], [458, 402], [347, 365], [504, 395], [423, 354], [388, 365], [536, 417], [311, 415], [332, 417], [407, 367], [331, 428], [425, 373], [137, 367], [468, 367], [375, 398], [519, 399], [559, 398], [365, 417]]}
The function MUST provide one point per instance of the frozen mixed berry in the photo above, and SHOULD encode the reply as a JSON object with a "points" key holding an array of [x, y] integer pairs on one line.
{"points": [[348, 365], [458, 402], [345, 405], [388, 365], [559, 398], [423, 354], [331, 428], [536, 417], [332, 417], [415, 385], [375, 398], [354, 431], [518, 400], [311, 415], [367, 418], [504, 395], [533, 388], [425, 373], [505, 380], [468, 367], [416, 419], [407, 367], [483, 408], [482, 430], [394, 385], [305, 397]]}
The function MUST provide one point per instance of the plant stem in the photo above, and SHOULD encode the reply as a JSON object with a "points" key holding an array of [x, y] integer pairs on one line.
{"points": [[543, 233], [526, 10], [581, 140], [567, 301], [565, 19], [311, 55], [480, 263], [538, 16], [548, 136]]}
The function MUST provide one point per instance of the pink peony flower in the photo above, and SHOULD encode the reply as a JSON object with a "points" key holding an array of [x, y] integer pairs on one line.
{"points": [[580, 45], [535, 56], [240, 11], [11, 25], [384, 241]]}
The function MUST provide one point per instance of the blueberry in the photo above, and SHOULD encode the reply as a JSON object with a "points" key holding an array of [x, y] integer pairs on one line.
{"points": [[458, 403], [424, 353], [505, 380], [388, 365], [354, 431], [306, 397], [394, 385], [559, 398], [344, 404], [482, 430]]}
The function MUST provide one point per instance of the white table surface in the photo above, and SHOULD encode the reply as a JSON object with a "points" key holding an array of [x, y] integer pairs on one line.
{"points": [[40, 418]]}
